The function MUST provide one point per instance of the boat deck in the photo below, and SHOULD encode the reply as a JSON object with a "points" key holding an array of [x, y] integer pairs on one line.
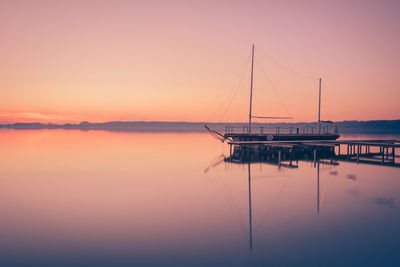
{"points": [[279, 137]]}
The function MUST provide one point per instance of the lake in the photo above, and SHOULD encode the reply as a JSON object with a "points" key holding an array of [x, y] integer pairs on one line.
{"points": [[99, 198]]}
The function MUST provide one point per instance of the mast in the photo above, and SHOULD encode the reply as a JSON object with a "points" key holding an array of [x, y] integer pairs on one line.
{"points": [[319, 108], [251, 86]]}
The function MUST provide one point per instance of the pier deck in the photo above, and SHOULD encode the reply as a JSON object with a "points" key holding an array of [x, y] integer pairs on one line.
{"points": [[382, 152]]}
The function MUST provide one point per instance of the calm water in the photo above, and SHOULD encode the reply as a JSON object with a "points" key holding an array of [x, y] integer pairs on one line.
{"points": [[94, 198]]}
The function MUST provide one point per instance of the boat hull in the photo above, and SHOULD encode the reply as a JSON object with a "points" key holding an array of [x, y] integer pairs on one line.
{"points": [[280, 137]]}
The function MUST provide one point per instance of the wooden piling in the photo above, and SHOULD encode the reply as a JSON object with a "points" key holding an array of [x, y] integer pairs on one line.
{"points": [[393, 153], [279, 158], [383, 153], [315, 155]]}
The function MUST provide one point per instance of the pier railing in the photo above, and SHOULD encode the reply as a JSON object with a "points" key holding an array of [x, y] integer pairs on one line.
{"points": [[229, 129]]}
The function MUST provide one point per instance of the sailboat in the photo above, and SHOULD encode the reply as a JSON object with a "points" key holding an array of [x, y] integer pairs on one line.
{"points": [[293, 134]]}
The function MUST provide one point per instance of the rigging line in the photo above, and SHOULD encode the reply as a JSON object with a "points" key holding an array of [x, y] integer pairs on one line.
{"points": [[243, 72], [274, 202], [236, 91], [263, 117], [324, 192], [327, 102], [286, 67], [230, 199], [232, 89], [273, 87]]}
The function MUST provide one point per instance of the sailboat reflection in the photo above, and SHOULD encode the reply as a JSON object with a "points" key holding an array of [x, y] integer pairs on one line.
{"points": [[251, 159], [283, 156]]}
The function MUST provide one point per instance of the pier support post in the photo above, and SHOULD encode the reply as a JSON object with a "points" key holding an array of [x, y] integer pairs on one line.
{"points": [[279, 158], [393, 153], [358, 153], [315, 156], [383, 153]]}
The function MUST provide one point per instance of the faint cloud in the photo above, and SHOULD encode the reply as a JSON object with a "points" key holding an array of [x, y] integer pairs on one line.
{"points": [[27, 116]]}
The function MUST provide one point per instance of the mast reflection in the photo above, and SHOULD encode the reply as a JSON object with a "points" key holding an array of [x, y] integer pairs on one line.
{"points": [[287, 162], [250, 217]]}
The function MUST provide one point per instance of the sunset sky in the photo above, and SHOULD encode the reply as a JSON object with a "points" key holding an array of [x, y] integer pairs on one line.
{"points": [[71, 61]]}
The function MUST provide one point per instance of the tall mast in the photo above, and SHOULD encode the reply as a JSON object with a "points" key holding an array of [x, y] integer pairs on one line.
{"points": [[251, 86], [319, 108]]}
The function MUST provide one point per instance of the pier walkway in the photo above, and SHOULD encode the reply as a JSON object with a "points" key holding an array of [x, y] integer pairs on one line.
{"points": [[381, 152]]}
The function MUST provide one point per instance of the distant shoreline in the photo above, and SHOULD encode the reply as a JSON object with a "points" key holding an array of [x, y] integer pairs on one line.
{"points": [[372, 127]]}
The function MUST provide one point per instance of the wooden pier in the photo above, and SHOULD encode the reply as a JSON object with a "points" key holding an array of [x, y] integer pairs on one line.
{"points": [[378, 152]]}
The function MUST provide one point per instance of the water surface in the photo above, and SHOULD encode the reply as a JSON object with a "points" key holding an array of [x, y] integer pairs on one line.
{"points": [[98, 198]]}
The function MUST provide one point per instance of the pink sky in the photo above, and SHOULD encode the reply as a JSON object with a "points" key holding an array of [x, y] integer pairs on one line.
{"points": [[178, 60]]}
